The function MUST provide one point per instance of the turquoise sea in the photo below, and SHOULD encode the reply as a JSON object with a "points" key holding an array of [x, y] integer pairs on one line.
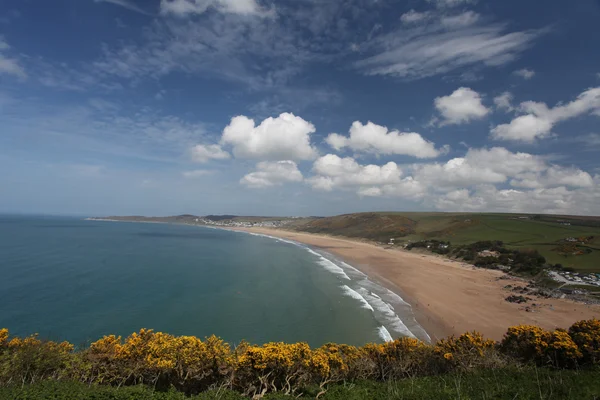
{"points": [[73, 279]]}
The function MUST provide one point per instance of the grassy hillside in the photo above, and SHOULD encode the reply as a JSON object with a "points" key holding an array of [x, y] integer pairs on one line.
{"points": [[509, 384], [544, 233]]}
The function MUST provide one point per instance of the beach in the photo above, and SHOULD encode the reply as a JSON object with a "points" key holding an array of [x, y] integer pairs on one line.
{"points": [[447, 297]]}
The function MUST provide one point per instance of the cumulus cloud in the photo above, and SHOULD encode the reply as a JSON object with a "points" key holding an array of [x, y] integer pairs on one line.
{"points": [[462, 106], [556, 200], [342, 172], [504, 102], [269, 174], [376, 139], [284, 138], [333, 172], [525, 73], [185, 7], [538, 119], [203, 153], [9, 66], [483, 179]]}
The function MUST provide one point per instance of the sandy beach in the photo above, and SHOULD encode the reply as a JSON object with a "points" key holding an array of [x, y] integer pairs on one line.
{"points": [[447, 297]]}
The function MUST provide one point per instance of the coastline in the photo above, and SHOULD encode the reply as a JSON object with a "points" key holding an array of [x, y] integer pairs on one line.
{"points": [[447, 297]]}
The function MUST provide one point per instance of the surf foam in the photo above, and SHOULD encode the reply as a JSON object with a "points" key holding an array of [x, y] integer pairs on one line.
{"points": [[348, 291], [384, 334]]}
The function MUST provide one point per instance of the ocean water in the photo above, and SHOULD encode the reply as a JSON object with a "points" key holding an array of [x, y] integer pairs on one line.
{"points": [[72, 279]]}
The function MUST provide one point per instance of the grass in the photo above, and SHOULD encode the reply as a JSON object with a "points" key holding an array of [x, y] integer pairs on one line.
{"points": [[528, 383], [541, 234]]}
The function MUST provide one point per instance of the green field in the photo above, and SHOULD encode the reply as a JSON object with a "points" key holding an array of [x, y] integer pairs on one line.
{"points": [[518, 231]]}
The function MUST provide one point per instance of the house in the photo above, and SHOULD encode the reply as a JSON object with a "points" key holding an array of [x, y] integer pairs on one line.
{"points": [[571, 239], [391, 242], [488, 253]]}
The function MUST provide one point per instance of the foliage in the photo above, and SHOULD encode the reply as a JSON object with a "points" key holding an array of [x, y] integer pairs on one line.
{"points": [[531, 343], [586, 334], [436, 246], [192, 366], [468, 351], [505, 383]]}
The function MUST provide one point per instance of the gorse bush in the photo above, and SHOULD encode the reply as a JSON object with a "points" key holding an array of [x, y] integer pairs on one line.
{"points": [[532, 344], [190, 365]]}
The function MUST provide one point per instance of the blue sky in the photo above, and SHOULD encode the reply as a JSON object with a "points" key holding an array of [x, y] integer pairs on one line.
{"points": [[299, 107]]}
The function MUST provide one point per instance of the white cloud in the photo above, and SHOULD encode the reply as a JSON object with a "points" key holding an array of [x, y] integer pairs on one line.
{"points": [[451, 3], [525, 73], [552, 177], [333, 172], [284, 138], [462, 106], [539, 119], [556, 200], [202, 153], [504, 101], [184, 7], [413, 16], [525, 128], [130, 5], [373, 138], [347, 172], [272, 174], [463, 20], [438, 48], [493, 179], [198, 173], [10, 66]]}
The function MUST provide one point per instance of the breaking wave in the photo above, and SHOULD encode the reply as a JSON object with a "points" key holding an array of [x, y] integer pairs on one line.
{"points": [[382, 302]]}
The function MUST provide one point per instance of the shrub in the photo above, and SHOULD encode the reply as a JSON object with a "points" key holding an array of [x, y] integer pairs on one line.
{"points": [[533, 344], [586, 334], [468, 351], [401, 358], [275, 367], [160, 359], [30, 360]]}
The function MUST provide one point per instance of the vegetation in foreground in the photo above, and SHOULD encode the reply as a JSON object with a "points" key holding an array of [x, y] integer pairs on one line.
{"points": [[508, 383], [191, 366]]}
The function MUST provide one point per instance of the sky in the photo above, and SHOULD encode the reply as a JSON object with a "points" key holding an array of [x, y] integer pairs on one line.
{"points": [[299, 107]]}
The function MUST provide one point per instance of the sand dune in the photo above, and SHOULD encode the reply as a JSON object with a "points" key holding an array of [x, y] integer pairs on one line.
{"points": [[448, 297]]}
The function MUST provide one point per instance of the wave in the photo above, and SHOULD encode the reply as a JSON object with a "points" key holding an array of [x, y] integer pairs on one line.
{"points": [[383, 311], [386, 312], [384, 334], [332, 267], [355, 295]]}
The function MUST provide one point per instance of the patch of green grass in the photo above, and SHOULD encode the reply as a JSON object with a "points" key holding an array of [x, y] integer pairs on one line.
{"points": [[512, 383], [78, 391]]}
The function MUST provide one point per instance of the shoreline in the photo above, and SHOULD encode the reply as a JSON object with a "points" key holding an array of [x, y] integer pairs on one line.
{"points": [[447, 297]]}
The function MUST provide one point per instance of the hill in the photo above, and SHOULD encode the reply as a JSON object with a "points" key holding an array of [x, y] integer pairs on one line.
{"points": [[572, 241]]}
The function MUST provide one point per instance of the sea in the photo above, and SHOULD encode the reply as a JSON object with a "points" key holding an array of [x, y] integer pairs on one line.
{"points": [[68, 278]]}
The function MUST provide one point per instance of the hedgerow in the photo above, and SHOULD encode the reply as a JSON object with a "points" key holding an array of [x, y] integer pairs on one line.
{"points": [[190, 365]]}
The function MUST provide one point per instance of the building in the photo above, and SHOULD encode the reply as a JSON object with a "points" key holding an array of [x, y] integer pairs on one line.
{"points": [[488, 253]]}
